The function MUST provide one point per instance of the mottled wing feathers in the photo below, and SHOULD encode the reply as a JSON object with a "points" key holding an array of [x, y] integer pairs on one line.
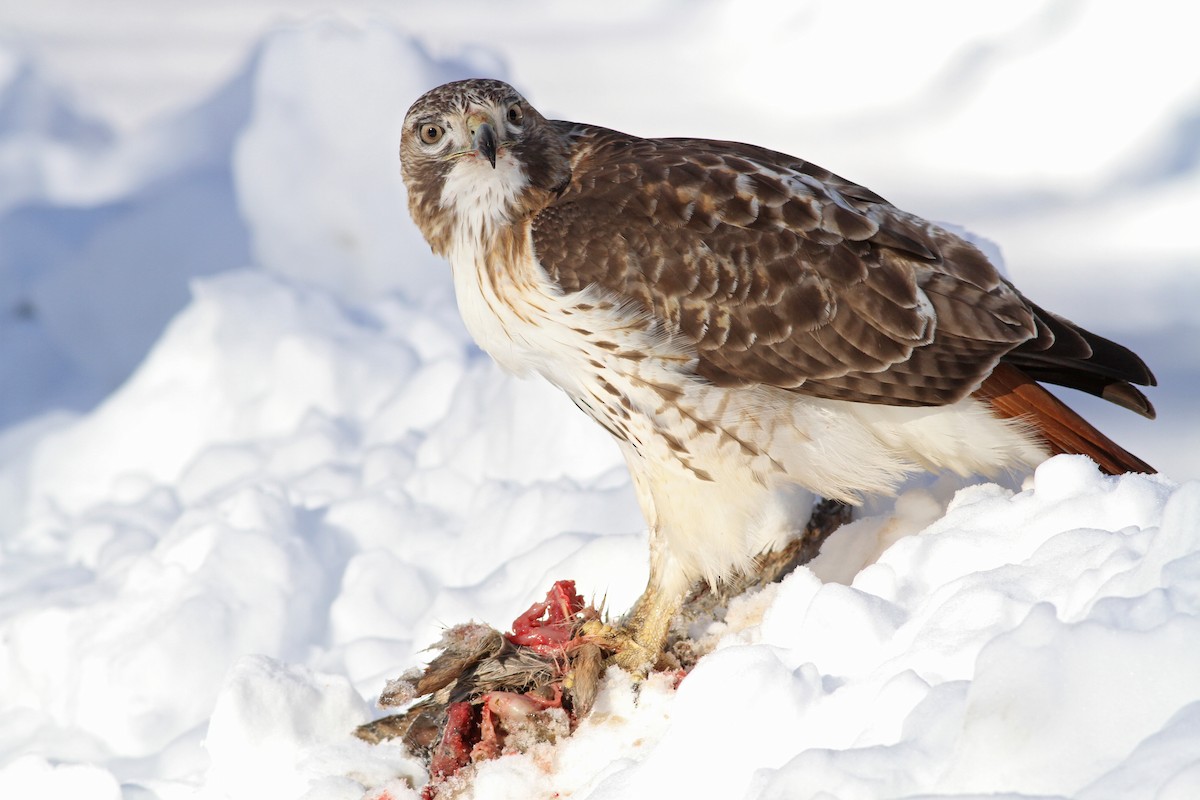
{"points": [[782, 273]]}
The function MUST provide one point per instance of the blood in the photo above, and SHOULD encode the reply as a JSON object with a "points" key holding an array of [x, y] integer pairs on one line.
{"points": [[454, 750], [548, 627]]}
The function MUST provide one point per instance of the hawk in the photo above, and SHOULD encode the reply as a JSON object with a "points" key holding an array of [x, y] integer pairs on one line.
{"points": [[745, 324]]}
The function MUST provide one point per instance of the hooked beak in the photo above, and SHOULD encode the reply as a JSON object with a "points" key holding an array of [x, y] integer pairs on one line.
{"points": [[485, 142]]}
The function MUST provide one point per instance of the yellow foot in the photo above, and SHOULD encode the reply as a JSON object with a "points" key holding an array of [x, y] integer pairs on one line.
{"points": [[627, 652]]}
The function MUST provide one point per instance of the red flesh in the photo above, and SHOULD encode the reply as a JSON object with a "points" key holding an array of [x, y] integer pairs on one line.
{"points": [[547, 627]]}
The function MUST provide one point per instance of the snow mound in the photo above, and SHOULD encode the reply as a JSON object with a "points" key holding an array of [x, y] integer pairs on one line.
{"points": [[328, 485]]}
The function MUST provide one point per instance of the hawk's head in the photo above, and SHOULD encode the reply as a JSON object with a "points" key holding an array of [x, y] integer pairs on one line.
{"points": [[474, 153]]}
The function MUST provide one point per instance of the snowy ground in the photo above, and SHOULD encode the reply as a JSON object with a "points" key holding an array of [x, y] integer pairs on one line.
{"points": [[250, 463]]}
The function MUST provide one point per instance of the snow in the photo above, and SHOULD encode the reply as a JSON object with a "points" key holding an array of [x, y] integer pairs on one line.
{"points": [[251, 465]]}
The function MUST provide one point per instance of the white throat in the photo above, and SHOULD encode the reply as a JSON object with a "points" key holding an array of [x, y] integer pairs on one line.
{"points": [[481, 197]]}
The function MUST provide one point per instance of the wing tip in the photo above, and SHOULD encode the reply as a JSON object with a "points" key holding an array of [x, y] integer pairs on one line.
{"points": [[1126, 396]]}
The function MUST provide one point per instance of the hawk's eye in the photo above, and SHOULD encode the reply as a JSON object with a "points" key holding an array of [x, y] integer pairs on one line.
{"points": [[431, 133], [515, 114]]}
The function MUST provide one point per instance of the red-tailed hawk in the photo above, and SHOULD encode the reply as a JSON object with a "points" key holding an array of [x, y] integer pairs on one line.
{"points": [[743, 322]]}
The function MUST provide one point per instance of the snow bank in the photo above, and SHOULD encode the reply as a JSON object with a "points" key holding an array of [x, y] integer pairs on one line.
{"points": [[269, 713], [265, 446], [206, 578], [324, 134], [101, 235]]}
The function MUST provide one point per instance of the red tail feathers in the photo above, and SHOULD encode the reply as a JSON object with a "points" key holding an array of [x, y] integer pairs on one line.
{"points": [[1012, 393]]}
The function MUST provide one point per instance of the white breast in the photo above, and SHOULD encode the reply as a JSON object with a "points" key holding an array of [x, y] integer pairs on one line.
{"points": [[509, 305]]}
